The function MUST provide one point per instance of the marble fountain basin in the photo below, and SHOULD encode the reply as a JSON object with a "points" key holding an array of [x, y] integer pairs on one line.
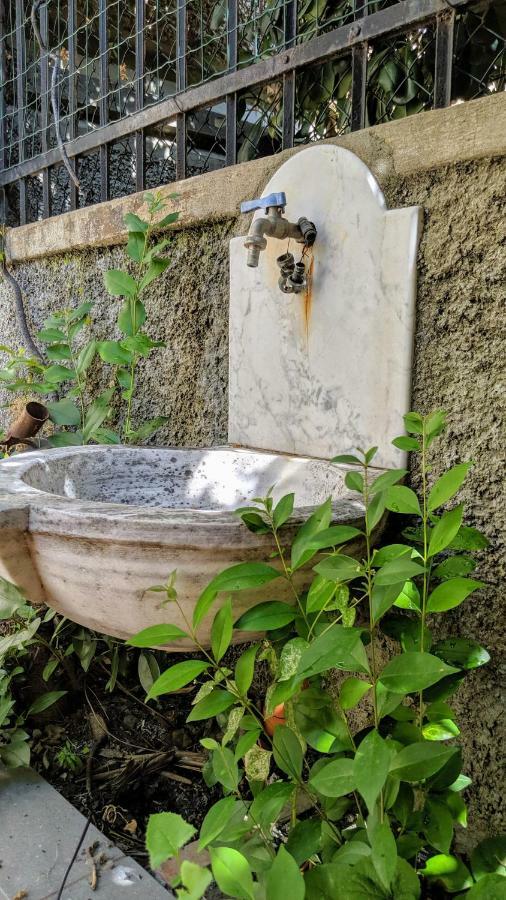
{"points": [[88, 530]]}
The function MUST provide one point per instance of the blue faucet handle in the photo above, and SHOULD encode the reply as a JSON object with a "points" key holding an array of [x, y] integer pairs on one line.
{"points": [[272, 200]]}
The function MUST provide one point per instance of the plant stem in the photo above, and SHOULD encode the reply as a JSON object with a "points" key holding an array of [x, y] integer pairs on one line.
{"points": [[127, 428], [288, 574], [425, 560], [80, 387]]}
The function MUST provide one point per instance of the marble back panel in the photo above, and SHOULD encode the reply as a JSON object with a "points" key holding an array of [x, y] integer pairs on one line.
{"points": [[323, 372]]}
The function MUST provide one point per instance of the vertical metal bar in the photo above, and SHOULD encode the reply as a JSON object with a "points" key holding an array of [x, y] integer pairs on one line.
{"points": [[44, 108], [231, 119], [181, 86], [290, 31], [20, 102], [104, 99], [358, 85], [3, 72], [72, 89], [444, 57], [140, 53]]}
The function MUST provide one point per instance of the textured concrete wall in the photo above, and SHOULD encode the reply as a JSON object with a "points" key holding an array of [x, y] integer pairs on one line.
{"points": [[459, 366]]}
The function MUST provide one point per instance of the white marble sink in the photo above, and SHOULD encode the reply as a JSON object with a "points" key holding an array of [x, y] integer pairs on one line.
{"points": [[89, 529]]}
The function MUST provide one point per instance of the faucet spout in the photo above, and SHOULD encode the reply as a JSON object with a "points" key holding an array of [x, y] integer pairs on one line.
{"points": [[274, 224]]}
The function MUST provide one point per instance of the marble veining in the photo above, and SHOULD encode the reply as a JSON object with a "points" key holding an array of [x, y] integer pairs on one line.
{"points": [[321, 373]]}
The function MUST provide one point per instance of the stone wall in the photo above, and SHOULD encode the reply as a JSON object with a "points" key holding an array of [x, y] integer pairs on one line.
{"points": [[459, 345]]}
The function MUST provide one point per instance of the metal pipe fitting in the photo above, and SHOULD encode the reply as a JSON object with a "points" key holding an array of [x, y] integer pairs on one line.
{"points": [[297, 280], [27, 424], [286, 263]]}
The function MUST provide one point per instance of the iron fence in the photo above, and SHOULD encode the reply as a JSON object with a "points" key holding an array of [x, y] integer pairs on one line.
{"points": [[153, 91]]}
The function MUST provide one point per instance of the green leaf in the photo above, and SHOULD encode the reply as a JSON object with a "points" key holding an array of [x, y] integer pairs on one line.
{"points": [[434, 424], [304, 840], [45, 701], [135, 245], [166, 833], [437, 824], [245, 668], [489, 857], [413, 671], [168, 220], [447, 486], [85, 357], [284, 877], [445, 530], [413, 423], [339, 568], [97, 413], [148, 670], [387, 480], [59, 352], [66, 439], [257, 763], [266, 616], [216, 821], [454, 566], [64, 412], [420, 760], [397, 571], [289, 657], [148, 428], [318, 521], [283, 510], [112, 352], [195, 879], [492, 887], [245, 743], [468, 538], [51, 335], [16, 753], [354, 481], [232, 873], [156, 635], [452, 593], [225, 767], [370, 767], [58, 374], [347, 459], [12, 599], [215, 702], [134, 223], [335, 778], [267, 805], [352, 691], [126, 324], [406, 443], [287, 751], [177, 677], [338, 648], [157, 265], [461, 652], [401, 499], [236, 578], [384, 853], [119, 283], [450, 871], [320, 594], [331, 537], [221, 630]]}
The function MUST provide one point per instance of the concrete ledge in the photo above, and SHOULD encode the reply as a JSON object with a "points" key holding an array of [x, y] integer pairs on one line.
{"points": [[467, 131]]}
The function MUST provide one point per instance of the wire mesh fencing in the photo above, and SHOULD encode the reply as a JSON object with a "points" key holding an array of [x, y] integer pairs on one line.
{"points": [[153, 91]]}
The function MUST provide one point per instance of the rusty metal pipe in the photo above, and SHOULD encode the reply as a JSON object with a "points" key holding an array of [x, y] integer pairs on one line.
{"points": [[27, 425]]}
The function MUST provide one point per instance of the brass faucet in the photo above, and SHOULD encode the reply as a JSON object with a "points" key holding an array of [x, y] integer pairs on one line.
{"points": [[273, 224]]}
